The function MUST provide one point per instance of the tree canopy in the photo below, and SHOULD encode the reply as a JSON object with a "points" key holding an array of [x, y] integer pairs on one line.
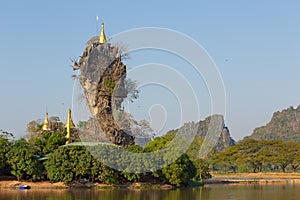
{"points": [[252, 155]]}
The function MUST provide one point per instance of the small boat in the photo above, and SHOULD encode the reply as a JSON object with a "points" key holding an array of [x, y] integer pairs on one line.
{"points": [[24, 187]]}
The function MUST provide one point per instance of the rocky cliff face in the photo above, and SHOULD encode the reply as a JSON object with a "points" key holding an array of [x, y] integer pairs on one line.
{"points": [[224, 139], [102, 76], [284, 125]]}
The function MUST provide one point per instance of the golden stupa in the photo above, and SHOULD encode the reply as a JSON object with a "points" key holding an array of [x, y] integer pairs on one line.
{"points": [[46, 125], [69, 124], [102, 38]]}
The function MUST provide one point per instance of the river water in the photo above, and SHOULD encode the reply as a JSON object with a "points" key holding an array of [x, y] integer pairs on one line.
{"points": [[208, 192]]}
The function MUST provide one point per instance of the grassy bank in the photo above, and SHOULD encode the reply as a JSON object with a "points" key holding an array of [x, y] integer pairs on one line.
{"points": [[263, 175], [258, 178]]}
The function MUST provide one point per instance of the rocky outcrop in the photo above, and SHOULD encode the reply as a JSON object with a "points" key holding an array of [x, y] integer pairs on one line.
{"points": [[102, 76], [222, 140], [284, 125]]}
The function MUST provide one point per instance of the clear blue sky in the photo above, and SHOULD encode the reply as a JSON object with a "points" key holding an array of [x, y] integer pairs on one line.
{"points": [[255, 44]]}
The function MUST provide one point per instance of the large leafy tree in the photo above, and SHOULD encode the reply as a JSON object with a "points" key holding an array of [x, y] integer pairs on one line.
{"points": [[22, 160], [46, 142], [283, 154], [295, 155], [5, 138], [53, 141], [38, 140], [60, 166], [202, 166], [180, 171], [82, 161], [129, 175], [72, 163], [257, 155]]}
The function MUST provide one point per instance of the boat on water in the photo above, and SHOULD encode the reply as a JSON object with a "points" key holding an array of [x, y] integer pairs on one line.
{"points": [[24, 187]]}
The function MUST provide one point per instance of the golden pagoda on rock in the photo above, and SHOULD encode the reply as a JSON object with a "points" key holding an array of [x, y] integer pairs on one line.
{"points": [[46, 125], [69, 125], [102, 38]]}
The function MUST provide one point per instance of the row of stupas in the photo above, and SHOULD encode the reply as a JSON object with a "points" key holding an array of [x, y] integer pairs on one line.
{"points": [[69, 125]]}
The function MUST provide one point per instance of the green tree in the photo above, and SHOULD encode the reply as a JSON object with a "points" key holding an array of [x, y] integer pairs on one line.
{"points": [[39, 140], [60, 166], [283, 155], [295, 155], [159, 143], [53, 141], [72, 163], [108, 175], [202, 166], [46, 141], [228, 160], [95, 166], [22, 160], [5, 148], [180, 171], [259, 155], [202, 169], [82, 161], [130, 176]]}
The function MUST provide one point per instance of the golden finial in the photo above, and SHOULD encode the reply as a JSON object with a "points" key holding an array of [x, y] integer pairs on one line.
{"points": [[69, 124], [46, 126], [102, 34]]}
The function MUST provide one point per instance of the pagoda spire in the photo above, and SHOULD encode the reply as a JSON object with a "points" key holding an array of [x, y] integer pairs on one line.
{"points": [[102, 38], [46, 126], [69, 124]]}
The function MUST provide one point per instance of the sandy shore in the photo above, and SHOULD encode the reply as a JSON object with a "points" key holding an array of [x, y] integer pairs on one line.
{"points": [[43, 184]]}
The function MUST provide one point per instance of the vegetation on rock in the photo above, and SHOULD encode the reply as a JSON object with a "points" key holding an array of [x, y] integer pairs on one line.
{"points": [[223, 139]]}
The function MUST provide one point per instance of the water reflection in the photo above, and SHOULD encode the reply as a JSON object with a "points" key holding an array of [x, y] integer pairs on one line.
{"points": [[209, 192]]}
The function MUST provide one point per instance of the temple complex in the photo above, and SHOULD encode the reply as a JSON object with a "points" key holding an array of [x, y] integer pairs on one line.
{"points": [[57, 126]]}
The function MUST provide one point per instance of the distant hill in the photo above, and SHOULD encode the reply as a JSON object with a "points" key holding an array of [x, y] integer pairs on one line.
{"points": [[224, 139], [284, 125]]}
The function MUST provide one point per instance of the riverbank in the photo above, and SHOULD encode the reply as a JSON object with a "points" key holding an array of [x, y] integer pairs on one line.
{"points": [[288, 175], [61, 185], [41, 185], [238, 178], [260, 178]]}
